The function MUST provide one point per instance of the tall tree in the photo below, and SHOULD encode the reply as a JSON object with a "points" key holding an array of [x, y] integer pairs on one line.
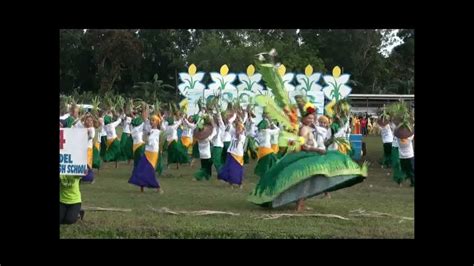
{"points": [[402, 62], [69, 51], [356, 51], [114, 52]]}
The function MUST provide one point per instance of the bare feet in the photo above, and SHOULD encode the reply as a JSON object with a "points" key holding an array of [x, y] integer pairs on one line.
{"points": [[300, 205]]}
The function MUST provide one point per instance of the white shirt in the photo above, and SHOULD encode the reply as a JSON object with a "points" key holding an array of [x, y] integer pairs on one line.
{"points": [[274, 136], [126, 125], [250, 128], [147, 126], [217, 141], [406, 150], [236, 146], [137, 134], [188, 128], [229, 128], [172, 131], [205, 146], [264, 137], [102, 127], [78, 124], [386, 133], [90, 136], [395, 142], [110, 129], [321, 136], [341, 133], [153, 144]]}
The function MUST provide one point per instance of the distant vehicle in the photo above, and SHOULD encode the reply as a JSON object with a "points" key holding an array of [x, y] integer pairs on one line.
{"points": [[85, 107]]}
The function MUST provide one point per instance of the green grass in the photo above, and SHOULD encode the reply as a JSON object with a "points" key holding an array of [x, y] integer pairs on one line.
{"points": [[377, 193]]}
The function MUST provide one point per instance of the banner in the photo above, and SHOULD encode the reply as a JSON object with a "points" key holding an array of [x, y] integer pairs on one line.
{"points": [[72, 151]]}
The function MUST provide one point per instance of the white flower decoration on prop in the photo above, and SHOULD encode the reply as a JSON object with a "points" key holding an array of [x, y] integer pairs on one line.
{"points": [[191, 87], [223, 80], [191, 81], [307, 82], [250, 81], [223, 84], [336, 88], [249, 86], [287, 78]]}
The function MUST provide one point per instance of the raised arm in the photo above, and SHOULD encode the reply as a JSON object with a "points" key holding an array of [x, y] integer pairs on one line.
{"points": [[245, 117], [220, 121], [232, 119], [189, 124], [117, 122], [177, 124]]}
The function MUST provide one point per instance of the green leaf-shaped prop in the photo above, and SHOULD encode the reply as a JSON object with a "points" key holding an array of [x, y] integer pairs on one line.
{"points": [[273, 110], [275, 83]]}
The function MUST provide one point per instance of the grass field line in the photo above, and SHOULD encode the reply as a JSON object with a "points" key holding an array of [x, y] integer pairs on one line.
{"points": [[364, 213], [278, 215], [197, 213], [105, 209]]}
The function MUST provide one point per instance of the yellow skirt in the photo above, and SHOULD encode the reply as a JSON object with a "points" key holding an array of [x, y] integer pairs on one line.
{"points": [[275, 148], [262, 151], [186, 141]]}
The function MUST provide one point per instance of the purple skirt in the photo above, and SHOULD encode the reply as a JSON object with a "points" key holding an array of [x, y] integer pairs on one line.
{"points": [[89, 177], [232, 172], [144, 174]]}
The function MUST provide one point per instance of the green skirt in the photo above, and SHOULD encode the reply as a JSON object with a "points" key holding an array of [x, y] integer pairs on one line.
{"points": [[103, 146], [165, 146], [114, 152], [306, 174], [281, 152], [216, 156], [398, 175], [250, 150], [160, 166], [96, 160], [265, 163], [196, 151], [205, 171], [387, 155], [177, 153], [126, 143]]}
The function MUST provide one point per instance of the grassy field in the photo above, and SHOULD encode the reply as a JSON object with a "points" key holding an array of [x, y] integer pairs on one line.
{"points": [[111, 190]]}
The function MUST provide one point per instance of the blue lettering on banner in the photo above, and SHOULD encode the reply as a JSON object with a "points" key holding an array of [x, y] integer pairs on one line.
{"points": [[76, 169], [62, 169], [65, 158]]}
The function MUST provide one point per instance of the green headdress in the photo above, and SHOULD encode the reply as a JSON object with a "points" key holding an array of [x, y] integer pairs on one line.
{"points": [[263, 124], [137, 121], [107, 119]]}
